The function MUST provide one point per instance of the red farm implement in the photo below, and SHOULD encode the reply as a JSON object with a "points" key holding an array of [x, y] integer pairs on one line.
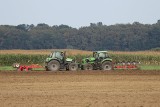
{"points": [[26, 67], [127, 65]]}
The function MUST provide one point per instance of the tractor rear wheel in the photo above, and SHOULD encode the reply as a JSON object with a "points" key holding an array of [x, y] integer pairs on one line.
{"points": [[107, 66], [88, 67], [53, 65], [73, 67]]}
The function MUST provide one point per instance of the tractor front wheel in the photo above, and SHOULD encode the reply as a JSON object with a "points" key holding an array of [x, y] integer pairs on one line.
{"points": [[73, 67], [53, 65], [107, 66]]}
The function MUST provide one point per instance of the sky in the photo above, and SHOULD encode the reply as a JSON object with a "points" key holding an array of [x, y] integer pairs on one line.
{"points": [[78, 13]]}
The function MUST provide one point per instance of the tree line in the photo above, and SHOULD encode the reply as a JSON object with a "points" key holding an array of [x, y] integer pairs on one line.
{"points": [[120, 37]]}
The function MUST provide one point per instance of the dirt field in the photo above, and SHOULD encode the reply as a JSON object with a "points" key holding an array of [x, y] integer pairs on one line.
{"points": [[80, 89]]}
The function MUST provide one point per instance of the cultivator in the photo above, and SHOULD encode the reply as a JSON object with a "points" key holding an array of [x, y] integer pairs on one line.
{"points": [[26, 67], [128, 65]]}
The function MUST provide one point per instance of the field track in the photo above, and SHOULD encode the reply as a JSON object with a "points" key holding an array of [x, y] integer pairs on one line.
{"points": [[80, 89]]}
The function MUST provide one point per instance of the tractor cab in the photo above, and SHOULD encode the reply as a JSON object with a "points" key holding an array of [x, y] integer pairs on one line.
{"points": [[100, 55], [57, 60], [57, 55], [99, 60]]}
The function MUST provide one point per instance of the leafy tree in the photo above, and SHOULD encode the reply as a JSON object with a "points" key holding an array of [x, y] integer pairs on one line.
{"points": [[126, 37]]}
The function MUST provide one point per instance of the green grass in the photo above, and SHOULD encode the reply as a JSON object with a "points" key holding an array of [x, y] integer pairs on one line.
{"points": [[39, 69], [150, 67], [7, 68]]}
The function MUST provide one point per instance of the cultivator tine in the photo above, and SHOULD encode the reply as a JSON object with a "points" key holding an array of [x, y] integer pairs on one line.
{"points": [[126, 65]]}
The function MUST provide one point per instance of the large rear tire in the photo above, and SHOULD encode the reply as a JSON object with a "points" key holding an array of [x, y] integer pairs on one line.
{"points": [[53, 65], [73, 67], [106, 66], [88, 67]]}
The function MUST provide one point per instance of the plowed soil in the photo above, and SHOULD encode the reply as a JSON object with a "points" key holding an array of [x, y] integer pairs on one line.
{"points": [[80, 89]]}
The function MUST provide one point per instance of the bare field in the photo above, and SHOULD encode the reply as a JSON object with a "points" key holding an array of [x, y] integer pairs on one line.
{"points": [[80, 89]]}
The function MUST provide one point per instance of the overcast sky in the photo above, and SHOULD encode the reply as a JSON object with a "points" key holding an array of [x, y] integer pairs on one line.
{"points": [[77, 13]]}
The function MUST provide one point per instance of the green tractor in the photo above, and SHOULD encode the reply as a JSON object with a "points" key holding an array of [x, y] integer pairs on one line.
{"points": [[100, 60], [57, 60]]}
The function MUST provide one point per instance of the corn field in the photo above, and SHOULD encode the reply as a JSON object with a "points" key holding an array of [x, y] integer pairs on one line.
{"points": [[9, 59]]}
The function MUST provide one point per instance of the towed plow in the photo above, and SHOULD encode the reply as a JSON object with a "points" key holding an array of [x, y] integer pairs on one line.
{"points": [[26, 67], [128, 65]]}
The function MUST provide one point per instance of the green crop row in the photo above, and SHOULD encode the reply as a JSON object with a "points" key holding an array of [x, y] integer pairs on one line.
{"points": [[9, 59]]}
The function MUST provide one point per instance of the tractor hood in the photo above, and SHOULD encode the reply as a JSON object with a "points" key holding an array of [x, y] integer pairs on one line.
{"points": [[86, 60], [48, 59], [69, 59], [91, 58]]}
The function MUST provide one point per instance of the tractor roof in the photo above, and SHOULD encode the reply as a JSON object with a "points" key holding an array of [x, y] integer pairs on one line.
{"points": [[101, 51], [58, 51]]}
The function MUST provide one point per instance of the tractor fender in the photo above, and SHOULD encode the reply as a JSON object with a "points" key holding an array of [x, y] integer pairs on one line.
{"points": [[107, 59], [52, 60]]}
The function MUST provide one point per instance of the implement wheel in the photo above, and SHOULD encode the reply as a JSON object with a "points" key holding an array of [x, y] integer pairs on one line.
{"points": [[53, 65], [107, 66]]}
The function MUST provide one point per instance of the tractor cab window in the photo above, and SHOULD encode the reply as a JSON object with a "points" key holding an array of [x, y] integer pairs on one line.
{"points": [[95, 55], [102, 55], [59, 55], [107, 56], [52, 55]]}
